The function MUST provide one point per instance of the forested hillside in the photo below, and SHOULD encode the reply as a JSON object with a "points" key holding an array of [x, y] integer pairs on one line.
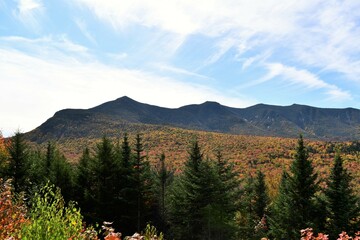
{"points": [[277, 188], [260, 120]]}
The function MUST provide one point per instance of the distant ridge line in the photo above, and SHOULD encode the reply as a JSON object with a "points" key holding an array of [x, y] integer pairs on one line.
{"points": [[261, 120]]}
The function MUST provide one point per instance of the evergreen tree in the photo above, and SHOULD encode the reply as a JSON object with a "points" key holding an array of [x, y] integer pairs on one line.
{"points": [[197, 210], [50, 155], [343, 205], [18, 162], [128, 194], [261, 202], [227, 197], [85, 182], [144, 185], [60, 173], [107, 173], [38, 175], [163, 177], [246, 217], [261, 196], [186, 205], [293, 209]]}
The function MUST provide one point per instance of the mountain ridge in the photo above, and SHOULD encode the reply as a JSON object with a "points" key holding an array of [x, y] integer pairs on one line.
{"points": [[125, 113]]}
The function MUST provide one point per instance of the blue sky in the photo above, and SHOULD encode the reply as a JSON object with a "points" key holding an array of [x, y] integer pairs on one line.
{"points": [[81, 53]]}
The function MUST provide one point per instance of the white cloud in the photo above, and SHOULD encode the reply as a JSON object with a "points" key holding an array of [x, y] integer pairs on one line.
{"points": [[259, 58], [305, 79], [169, 68], [84, 29], [29, 12], [53, 47], [38, 85], [313, 32]]}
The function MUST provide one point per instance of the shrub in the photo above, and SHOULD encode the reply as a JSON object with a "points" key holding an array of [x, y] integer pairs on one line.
{"points": [[12, 213], [51, 219]]}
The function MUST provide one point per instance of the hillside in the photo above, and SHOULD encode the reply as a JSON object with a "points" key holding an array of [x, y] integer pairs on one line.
{"points": [[126, 114]]}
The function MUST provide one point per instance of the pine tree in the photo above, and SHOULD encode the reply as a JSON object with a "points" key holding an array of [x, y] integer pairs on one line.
{"points": [[50, 155], [38, 175], [163, 178], [18, 162], [59, 171], [293, 209], [261, 201], [186, 203], [227, 197], [197, 209], [127, 194], [107, 172], [261, 197], [144, 185], [343, 205], [85, 181], [246, 217]]}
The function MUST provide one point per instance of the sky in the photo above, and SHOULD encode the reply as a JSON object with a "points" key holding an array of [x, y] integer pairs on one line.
{"points": [[57, 54]]}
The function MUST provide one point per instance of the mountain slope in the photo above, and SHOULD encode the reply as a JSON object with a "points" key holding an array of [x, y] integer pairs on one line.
{"points": [[125, 114]]}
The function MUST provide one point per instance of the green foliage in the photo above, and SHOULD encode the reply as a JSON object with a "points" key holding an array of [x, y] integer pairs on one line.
{"points": [[17, 168], [151, 233], [261, 197], [85, 184], [294, 207], [253, 211], [163, 179], [59, 171], [343, 204], [197, 201], [51, 219], [144, 185]]}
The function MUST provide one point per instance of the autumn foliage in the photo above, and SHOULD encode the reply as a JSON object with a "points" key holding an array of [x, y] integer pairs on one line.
{"points": [[12, 213]]}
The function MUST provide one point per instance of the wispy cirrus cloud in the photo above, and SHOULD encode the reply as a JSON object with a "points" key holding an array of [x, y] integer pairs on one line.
{"points": [[29, 13], [304, 79], [315, 33], [67, 80], [84, 29], [169, 68]]}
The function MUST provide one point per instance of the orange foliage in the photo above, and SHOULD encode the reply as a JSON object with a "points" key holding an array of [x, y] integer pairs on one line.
{"points": [[12, 215], [248, 153]]}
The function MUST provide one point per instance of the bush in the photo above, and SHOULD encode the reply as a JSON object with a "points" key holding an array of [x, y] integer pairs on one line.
{"points": [[12, 213], [51, 219]]}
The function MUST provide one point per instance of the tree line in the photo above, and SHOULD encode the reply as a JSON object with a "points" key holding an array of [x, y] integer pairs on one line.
{"points": [[205, 200]]}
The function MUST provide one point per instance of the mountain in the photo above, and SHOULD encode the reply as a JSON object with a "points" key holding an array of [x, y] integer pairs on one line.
{"points": [[126, 114]]}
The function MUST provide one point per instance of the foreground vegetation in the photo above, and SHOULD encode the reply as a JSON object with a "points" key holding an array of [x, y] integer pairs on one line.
{"points": [[207, 198]]}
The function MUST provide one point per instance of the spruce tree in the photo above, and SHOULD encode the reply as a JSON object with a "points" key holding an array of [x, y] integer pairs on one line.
{"points": [[85, 182], [127, 194], [261, 196], [247, 218], [227, 197], [60, 171], [38, 174], [342, 203], [197, 209], [107, 172], [186, 203], [17, 168], [163, 179], [144, 185], [293, 209]]}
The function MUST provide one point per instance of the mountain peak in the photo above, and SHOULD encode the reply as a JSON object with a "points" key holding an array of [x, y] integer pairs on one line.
{"points": [[124, 99], [261, 119], [211, 103]]}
